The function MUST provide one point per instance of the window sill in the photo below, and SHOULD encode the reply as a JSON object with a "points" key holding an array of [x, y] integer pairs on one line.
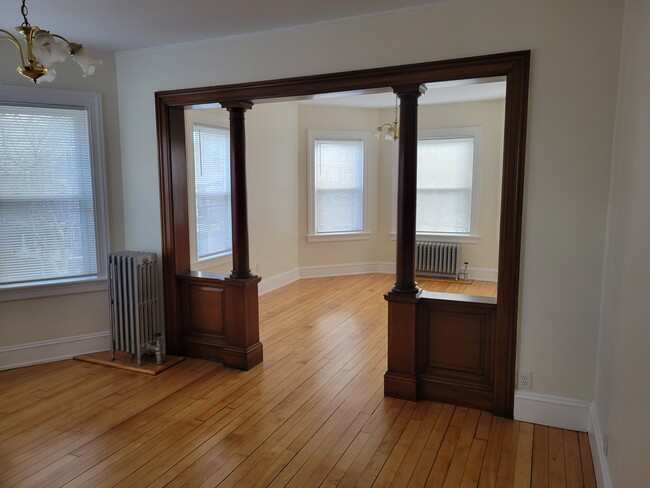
{"points": [[347, 236], [206, 264], [52, 289], [462, 238]]}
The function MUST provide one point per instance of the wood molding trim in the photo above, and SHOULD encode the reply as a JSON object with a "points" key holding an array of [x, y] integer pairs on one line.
{"points": [[359, 81]]}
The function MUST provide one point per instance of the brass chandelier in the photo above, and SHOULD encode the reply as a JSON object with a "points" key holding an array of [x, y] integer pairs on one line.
{"points": [[43, 49]]}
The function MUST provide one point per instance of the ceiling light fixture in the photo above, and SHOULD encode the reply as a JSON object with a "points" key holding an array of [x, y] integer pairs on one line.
{"points": [[389, 130], [43, 49]]}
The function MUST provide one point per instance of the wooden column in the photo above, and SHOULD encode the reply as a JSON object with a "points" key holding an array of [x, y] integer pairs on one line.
{"points": [[401, 378], [407, 188], [243, 349], [240, 265]]}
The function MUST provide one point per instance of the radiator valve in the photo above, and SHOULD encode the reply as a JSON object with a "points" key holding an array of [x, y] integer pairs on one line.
{"points": [[155, 348], [463, 274], [158, 348]]}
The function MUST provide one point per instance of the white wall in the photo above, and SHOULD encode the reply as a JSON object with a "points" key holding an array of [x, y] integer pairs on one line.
{"points": [[344, 119], [622, 401], [272, 188], [46, 319], [575, 47]]}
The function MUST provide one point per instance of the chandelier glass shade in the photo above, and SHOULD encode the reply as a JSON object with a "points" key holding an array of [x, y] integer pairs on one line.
{"points": [[43, 49]]}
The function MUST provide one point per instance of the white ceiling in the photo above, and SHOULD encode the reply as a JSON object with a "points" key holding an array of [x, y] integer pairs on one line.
{"points": [[118, 25]]}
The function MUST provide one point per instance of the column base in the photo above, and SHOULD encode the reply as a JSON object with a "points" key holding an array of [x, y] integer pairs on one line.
{"points": [[400, 386], [243, 358]]}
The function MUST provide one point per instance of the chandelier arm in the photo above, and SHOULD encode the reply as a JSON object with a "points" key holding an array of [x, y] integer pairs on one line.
{"points": [[73, 47], [60, 37], [10, 37]]}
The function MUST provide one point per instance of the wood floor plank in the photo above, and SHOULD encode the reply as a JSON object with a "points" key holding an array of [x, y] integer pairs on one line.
{"points": [[407, 467], [461, 453], [524, 461], [314, 421], [443, 459], [312, 414], [396, 457], [484, 426], [556, 463], [588, 474], [506, 473], [381, 454], [572, 460], [540, 457], [472, 471], [489, 471], [432, 447], [353, 451]]}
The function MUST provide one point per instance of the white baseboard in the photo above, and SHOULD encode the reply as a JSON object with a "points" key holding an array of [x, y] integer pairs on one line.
{"points": [[566, 413], [385, 268], [52, 350], [597, 444], [483, 274], [278, 281], [325, 270]]}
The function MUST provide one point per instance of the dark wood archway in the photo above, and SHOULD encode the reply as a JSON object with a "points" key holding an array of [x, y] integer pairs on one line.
{"points": [[215, 316]]}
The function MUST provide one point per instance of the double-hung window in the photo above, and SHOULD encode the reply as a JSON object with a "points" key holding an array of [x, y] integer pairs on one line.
{"points": [[337, 185], [210, 186], [53, 225], [447, 182]]}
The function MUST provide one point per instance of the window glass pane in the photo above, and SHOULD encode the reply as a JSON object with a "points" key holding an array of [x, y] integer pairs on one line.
{"points": [[212, 190], [444, 182], [47, 222], [338, 186]]}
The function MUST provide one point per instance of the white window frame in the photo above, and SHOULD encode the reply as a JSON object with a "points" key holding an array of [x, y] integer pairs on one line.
{"points": [[330, 135], [92, 103], [212, 118], [473, 237]]}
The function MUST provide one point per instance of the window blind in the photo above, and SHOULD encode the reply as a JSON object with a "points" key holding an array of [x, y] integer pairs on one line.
{"points": [[47, 222], [212, 191], [444, 185], [338, 186]]}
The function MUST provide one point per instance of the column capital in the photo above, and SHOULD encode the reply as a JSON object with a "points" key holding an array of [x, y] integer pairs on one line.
{"points": [[234, 104], [409, 89]]}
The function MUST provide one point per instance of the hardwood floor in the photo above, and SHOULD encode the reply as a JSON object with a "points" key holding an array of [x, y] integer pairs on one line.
{"points": [[312, 414]]}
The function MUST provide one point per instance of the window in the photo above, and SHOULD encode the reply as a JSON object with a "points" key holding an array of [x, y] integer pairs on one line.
{"points": [[211, 176], [447, 182], [53, 235], [337, 185]]}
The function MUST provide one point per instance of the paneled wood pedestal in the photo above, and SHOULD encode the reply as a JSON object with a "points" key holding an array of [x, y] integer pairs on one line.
{"points": [[220, 319], [442, 347]]}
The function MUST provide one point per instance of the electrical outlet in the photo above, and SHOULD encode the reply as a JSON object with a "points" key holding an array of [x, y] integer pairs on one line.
{"points": [[525, 380], [257, 269]]}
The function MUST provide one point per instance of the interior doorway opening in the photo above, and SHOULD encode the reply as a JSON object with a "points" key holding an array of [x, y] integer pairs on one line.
{"points": [[460, 138], [191, 296]]}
